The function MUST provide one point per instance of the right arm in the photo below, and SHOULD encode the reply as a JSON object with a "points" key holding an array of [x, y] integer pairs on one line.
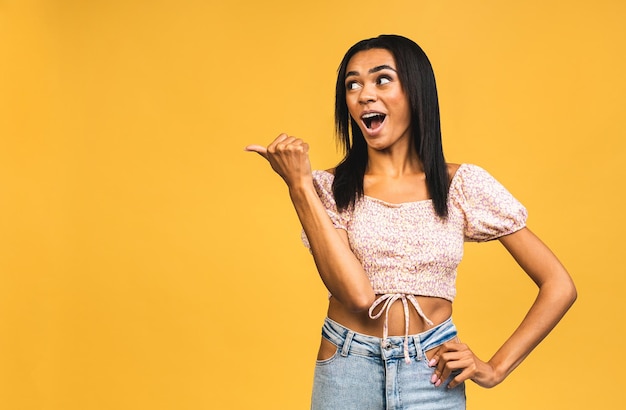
{"points": [[337, 265]]}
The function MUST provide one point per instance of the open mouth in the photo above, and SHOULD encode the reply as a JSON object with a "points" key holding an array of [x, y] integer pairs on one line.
{"points": [[373, 120]]}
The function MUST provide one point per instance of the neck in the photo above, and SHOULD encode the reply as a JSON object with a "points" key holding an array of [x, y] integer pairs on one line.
{"points": [[394, 162]]}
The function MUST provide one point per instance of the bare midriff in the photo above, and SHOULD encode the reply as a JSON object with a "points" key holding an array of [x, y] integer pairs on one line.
{"points": [[436, 309]]}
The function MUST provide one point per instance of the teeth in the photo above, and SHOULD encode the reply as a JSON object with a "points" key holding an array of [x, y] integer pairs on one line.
{"points": [[370, 115]]}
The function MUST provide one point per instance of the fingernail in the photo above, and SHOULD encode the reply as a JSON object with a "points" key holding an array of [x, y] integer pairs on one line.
{"points": [[438, 383], [432, 362], [434, 378]]}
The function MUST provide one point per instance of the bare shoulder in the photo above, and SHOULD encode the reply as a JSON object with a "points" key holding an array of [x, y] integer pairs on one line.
{"points": [[452, 168]]}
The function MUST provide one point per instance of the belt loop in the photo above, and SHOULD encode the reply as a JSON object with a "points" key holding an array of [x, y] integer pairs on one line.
{"points": [[418, 348], [346, 344]]}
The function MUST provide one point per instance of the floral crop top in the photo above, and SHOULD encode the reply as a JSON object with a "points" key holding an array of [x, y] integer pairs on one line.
{"points": [[406, 249]]}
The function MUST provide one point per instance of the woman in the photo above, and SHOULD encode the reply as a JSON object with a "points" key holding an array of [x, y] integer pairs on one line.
{"points": [[386, 229]]}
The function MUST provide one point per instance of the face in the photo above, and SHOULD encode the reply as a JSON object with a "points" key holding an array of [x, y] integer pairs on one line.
{"points": [[376, 100]]}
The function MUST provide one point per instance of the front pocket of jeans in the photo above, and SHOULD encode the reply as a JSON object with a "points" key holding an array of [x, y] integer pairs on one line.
{"points": [[327, 347]]}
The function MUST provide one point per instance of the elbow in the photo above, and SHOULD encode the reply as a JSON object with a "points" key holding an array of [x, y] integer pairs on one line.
{"points": [[572, 293], [562, 288], [360, 303], [567, 293]]}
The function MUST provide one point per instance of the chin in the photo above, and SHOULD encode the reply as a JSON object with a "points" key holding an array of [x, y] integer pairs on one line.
{"points": [[377, 146]]}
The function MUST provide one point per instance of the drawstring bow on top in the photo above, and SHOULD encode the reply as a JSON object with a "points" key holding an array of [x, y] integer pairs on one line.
{"points": [[389, 299]]}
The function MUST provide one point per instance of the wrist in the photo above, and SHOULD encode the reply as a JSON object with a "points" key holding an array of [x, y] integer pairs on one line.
{"points": [[488, 375], [301, 189]]}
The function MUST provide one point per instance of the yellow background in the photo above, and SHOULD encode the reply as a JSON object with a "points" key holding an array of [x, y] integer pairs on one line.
{"points": [[148, 262]]}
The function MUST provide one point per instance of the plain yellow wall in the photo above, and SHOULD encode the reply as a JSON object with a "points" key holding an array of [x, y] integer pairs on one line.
{"points": [[148, 262]]}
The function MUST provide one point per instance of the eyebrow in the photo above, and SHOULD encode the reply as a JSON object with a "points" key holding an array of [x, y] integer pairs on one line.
{"points": [[372, 70]]}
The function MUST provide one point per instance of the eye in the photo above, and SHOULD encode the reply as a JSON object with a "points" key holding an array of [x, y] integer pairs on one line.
{"points": [[383, 79], [352, 85]]}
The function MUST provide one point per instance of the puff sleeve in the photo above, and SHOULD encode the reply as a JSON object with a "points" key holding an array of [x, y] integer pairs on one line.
{"points": [[323, 182], [490, 210]]}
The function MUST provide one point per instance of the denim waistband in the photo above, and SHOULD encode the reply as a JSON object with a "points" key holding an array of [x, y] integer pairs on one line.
{"points": [[411, 346]]}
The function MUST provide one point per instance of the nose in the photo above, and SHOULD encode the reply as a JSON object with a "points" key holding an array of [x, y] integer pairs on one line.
{"points": [[367, 95]]}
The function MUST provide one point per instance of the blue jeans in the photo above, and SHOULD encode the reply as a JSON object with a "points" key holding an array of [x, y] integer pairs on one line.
{"points": [[367, 373]]}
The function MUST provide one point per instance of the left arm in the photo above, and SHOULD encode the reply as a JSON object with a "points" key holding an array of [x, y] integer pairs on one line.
{"points": [[556, 294]]}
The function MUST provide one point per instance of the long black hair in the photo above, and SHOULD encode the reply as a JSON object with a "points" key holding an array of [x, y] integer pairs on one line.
{"points": [[418, 81]]}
